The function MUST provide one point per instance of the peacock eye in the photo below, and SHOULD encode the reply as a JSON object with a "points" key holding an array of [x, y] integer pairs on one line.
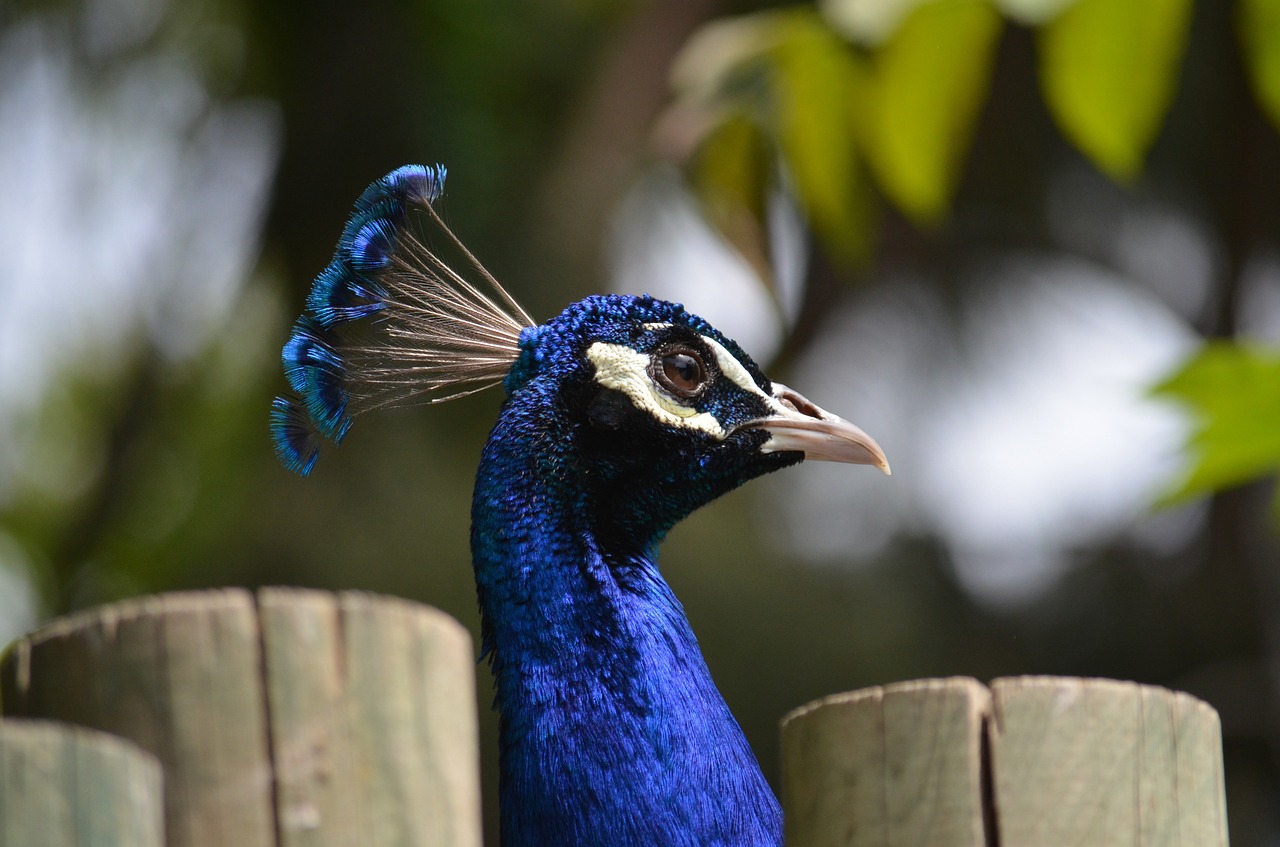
{"points": [[681, 372]]}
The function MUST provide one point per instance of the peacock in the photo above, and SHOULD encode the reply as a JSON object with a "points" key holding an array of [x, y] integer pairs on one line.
{"points": [[622, 415]]}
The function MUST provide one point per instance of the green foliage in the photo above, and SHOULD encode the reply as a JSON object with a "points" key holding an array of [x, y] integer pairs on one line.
{"points": [[894, 87], [1233, 392], [818, 84], [729, 178], [1259, 28], [930, 79], [829, 111], [1108, 69], [777, 86], [890, 91], [1032, 12]]}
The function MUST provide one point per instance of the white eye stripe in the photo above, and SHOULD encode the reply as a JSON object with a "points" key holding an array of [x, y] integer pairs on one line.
{"points": [[622, 369], [729, 364], [737, 373], [733, 369]]}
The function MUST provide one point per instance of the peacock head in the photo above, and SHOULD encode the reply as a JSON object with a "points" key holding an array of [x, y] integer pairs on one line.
{"points": [[657, 402]]}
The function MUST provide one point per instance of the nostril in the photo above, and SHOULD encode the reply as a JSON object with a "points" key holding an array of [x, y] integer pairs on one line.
{"points": [[797, 402]]}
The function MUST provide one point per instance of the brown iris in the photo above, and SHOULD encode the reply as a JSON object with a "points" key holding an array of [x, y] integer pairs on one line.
{"points": [[681, 372]]}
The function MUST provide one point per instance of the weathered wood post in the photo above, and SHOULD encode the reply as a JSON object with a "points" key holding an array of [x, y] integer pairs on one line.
{"points": [[1031, 762], [65, 786], [306, 719], [290, 718]]}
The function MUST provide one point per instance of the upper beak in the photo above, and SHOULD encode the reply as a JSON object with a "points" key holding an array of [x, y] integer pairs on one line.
{"points": [[802, 426]]}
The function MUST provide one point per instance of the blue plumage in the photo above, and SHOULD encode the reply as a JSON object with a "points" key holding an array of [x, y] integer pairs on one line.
{"points": [[622, 415], [612, 730], [316, 370], [296, 442], [346, 291]]}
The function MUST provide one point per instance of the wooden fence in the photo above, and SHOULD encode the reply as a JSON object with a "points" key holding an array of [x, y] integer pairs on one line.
{"points": [[304, 719]]}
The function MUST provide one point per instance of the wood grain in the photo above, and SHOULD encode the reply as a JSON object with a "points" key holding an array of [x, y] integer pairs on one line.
{"points": [[895, 765], [179, 675], [373, 721], [1035, 762], [295, 718], [66, 786], [1099, 762]]}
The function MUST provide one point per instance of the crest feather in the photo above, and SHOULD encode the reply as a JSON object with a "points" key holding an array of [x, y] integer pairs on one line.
{"points": [[388, 322]]}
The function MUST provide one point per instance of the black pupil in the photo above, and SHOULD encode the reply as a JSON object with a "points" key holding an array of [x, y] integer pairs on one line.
{"points": [[683, 370]]}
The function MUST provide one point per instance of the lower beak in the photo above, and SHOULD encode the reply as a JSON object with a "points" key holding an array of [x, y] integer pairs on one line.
{"points": [[803, 427]]}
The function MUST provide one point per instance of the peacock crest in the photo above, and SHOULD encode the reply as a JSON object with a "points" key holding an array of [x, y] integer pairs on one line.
{"points": [[389, 322]]}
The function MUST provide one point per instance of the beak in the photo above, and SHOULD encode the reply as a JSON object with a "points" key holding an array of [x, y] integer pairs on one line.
{"points": [[801, 426]]}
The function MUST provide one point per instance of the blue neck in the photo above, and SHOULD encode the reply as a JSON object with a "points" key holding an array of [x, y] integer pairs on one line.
{"points": [[612, 732]]}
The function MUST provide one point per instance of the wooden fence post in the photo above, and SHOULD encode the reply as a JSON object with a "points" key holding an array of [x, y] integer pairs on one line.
{"points": [[65, 786], [1032, 762], [293, 719], [306, 719]]}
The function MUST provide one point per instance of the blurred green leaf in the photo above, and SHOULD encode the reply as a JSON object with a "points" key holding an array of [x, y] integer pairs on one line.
{"points": [[867, 22], [716, 64], [1108, 70], [1233, 393], [929, 83], [1032, 12], [730, 176], [778, 84], [819, 86], [1258, 22]]}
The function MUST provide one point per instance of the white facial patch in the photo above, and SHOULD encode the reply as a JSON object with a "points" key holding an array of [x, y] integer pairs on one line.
{"points": [[626, 370], [729, 365], [623, 369], [733, 369], [736, 373]]}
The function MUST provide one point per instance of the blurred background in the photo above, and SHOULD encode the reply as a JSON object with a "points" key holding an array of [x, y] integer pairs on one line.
{"points": [[1029, 245]]}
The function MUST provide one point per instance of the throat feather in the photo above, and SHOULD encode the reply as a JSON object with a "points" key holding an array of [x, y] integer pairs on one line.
{"points": [[608, 715]]}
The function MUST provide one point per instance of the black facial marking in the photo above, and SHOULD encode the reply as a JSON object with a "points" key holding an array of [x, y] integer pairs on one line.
{"points": [[609, 409]]}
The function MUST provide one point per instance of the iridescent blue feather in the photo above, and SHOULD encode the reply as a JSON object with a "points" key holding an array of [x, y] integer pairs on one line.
{"points": [[346, 290], [433, 335], [317, 371], [296, 441]]}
